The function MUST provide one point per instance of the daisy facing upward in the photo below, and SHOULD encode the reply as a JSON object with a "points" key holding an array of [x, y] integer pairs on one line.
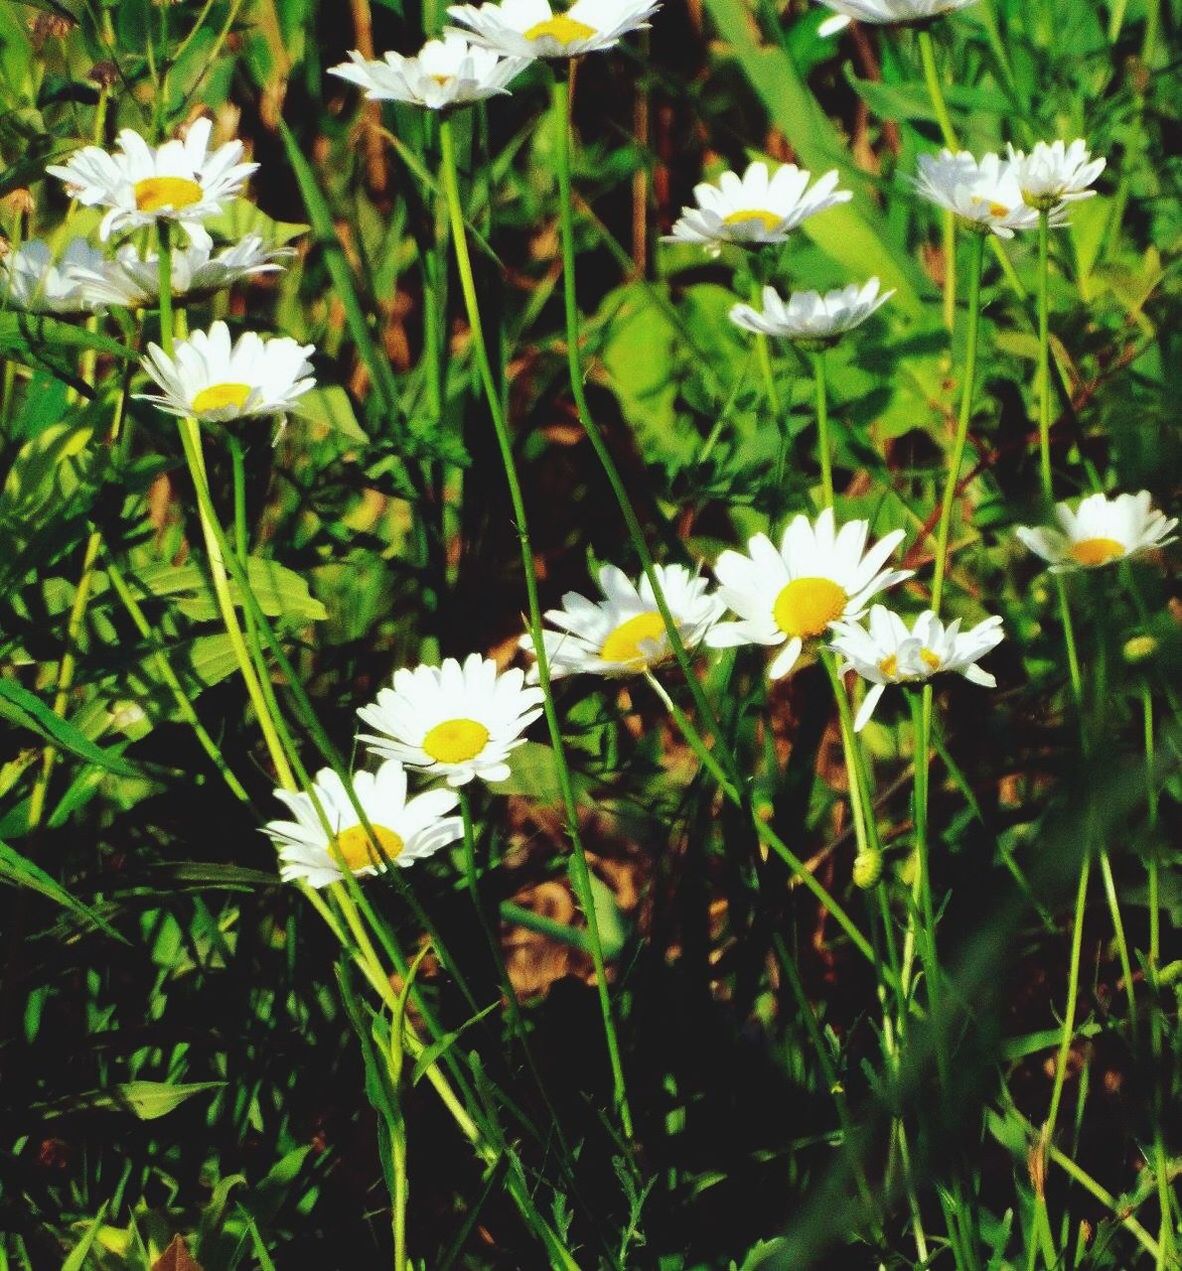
{"points": [[790, 595], [532, 29], [456, 722]]}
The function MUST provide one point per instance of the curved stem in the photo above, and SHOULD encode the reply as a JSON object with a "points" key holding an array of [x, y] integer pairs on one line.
{"points": [[561, 105], [581, 872], [931, 76], [823, 443], [976, 256]]}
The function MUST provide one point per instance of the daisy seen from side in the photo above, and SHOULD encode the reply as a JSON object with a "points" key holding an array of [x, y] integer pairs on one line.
{"points": [[810, 318], [756, 208], [623, 633], [885, 12], [455, 721], [789, 595], [1055, 173], [33, 278], [210, 378], [406, 830], [983, 193], [886, 651], [1100, 531]]}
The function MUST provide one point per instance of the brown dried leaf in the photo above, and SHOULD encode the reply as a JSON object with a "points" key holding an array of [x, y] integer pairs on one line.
{"points": [[176, 1258]]}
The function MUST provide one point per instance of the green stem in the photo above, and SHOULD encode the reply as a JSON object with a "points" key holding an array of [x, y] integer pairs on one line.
{"points": [[931, 76], [581, 873], [562, 122], [823, 443], [976, 257], [1044, 355], [168, 675]]}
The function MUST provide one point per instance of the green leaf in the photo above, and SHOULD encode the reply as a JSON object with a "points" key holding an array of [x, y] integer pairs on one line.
{"points": [[22, 872], [150, 1100], [81, 1251], [280, 591], [328, 410], [27, 710], [442, 1044], [242, 217], [30, 335]]}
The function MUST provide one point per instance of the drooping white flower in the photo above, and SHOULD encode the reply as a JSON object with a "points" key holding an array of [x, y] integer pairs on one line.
{"points": [[984, 194], [532, 29], [890, 653], [132, 280], [1055, 173], [181, 181], [406, 830], [445, 73], [755, 208], [453, 721], [624, 633], [209, 378], [885, 12], [791, 594], [1100, 531], [31, 278], [808, 316]]}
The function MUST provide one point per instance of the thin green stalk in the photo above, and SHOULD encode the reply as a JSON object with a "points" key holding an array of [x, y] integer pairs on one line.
{"points": [[931, 76], [763, 831], [190, 434], [168, 675], [562, 121], [1044, 354], [823, 443], [976, 257], [581, 870]]}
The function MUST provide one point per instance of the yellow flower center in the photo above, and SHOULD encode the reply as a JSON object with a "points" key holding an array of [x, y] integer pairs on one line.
{"points": [[219, 396], [623, 644], [455, 740], [154, 194], [929, 659], [443, 80], [1096, 551], [769, 220], [356, 848], [889, 666], [806, 606], [998, 209], [560, 28]]}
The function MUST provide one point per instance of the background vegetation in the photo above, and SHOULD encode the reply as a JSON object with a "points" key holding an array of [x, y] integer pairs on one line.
{"points": [[177, 1055]]}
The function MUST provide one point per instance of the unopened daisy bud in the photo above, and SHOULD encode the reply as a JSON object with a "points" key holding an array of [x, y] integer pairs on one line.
{"points": [[867, 868], [1139, 649]]}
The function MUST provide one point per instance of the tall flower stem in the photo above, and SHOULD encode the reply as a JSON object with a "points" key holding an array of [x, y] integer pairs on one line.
{"points": [[972, 334], [1044, 354], [562, 123], [581, 871], [191, 444], [823, 443], [931, 76]]}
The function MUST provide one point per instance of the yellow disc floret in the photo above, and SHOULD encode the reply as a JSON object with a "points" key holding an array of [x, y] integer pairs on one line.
{"points": [[156, 194], [1096, 551], [624, 643], [561, 29], [769, 220], [356, 847], [455, 740], [219, 396], [806, 606]]}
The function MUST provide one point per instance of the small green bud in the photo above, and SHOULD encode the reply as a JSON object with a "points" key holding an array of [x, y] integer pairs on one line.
{"points": [[1139, 649], [867, 868]]}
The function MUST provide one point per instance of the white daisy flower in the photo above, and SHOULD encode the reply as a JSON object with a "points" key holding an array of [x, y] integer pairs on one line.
{"points": [[133, 280], [32, 279], [406, 830], [179, 181], [1101, 530], [889, 653], [1055, 173], [755, 209], [453, 721], [532, 29], [208, 378], [790, 595], [885, 12], [985, 195], [446, 73], [624, 633], [809, 317]]}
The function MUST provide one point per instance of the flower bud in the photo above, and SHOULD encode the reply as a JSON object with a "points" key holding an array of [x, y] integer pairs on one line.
{"points": [[1139, 649], [867, 868]]}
